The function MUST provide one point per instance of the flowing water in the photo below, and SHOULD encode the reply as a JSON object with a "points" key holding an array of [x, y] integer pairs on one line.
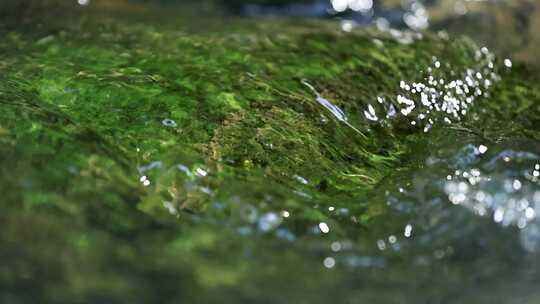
{"points": [[113, 191]]}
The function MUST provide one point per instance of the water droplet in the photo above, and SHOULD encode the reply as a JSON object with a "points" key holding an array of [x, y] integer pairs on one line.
{"points": [[482, 149], [168, 123], [201, 172], [498, 216], [408, 231], [370, 113], [516, 185], [336, 246], [348, 25], [329, 262], [301, 179], [324, 227]]}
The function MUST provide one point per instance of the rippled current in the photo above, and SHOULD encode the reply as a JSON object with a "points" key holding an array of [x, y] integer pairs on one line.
{"points": [[457, 221]]}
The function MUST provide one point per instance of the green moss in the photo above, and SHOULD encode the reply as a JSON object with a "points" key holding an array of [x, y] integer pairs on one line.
{"points": [[83, 110], [236, 98]]}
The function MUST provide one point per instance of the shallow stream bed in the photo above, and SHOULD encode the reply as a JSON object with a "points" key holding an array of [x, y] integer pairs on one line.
{"points": [[151, 156]]}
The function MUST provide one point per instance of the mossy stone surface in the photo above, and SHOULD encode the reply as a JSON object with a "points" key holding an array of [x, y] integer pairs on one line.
{"points": [[132, 152]]}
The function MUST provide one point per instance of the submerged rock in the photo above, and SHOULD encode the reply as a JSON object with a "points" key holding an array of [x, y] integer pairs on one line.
{"points": [[164, 162]]}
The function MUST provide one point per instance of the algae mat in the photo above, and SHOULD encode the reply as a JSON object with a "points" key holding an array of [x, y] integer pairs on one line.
{"points": [[147, 159]]}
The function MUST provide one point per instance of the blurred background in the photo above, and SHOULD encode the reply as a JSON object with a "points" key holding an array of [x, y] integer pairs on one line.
{"points": [[509, 26]]}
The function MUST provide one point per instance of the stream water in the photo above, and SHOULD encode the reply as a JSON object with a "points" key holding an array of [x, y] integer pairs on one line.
{"points": [[456, 222]]}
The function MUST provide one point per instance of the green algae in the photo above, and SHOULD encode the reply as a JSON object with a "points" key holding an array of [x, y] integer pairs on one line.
{"points": [[82, 110]]}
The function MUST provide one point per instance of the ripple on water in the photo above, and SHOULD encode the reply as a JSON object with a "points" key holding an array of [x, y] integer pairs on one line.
{"points": [[332, 108], [500, 183]]}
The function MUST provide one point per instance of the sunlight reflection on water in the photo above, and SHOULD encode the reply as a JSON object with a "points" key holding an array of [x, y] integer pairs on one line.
{"points": [[500, 183], [437, 98]]}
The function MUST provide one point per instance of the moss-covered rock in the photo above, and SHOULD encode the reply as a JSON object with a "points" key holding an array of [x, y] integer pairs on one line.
{"points": [[123, 140]]}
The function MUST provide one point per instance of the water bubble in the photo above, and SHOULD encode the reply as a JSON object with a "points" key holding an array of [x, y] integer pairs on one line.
{"points": [[381, 244], [336, 246], [201, 172], [269, 221], [145, 181], [516, 185], [370, 113], [329, 262], [482, 149], [530, 213], [324, 227], [417, 19], [348, 25], [168, 123], [301, 179], [408, 231], [498, 216], [248, 213]]}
